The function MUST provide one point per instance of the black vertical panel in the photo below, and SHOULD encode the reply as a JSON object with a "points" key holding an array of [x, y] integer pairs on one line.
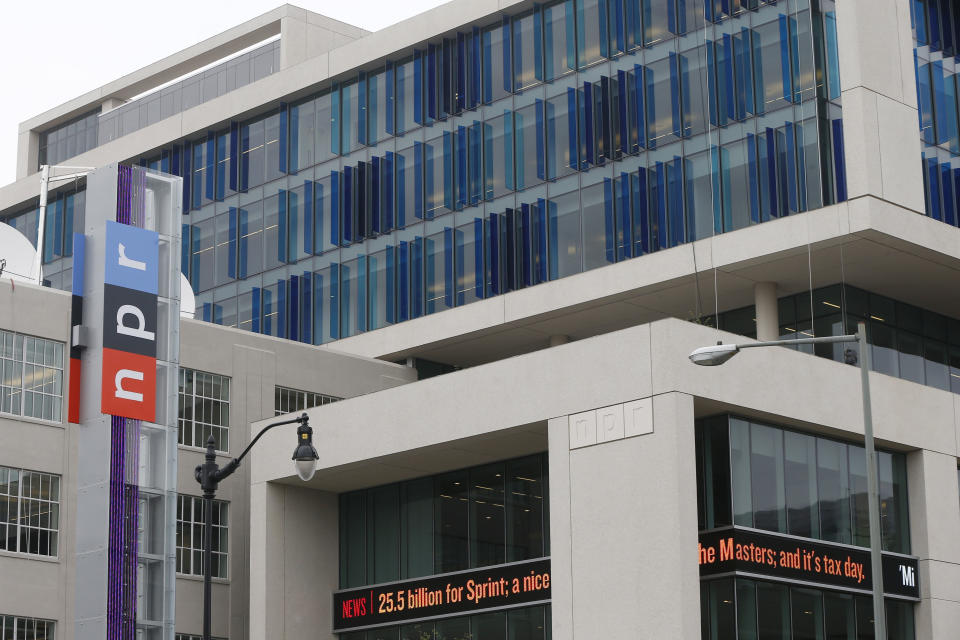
{"points": [[487, 517], [451, 495]]}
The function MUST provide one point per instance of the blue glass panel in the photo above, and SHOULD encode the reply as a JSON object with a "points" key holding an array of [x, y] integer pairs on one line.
{"points": [[381, 283], [565, 237], [389, 102], [462, 174], [416, 277], [335, 121], [282, 138], [658, 189], [439, 271], [833, 57], [949, 197], [418, 173], [403, 288], [496, 64], [599, 229], [678, 231], [408, 102], [641, 206], [839, 164], [935, 210], [475, 137], [293, 303], [558, 40], [335, 208], [431, 84], [363, 115], [526, 52], [210, 158], [387, 200]]}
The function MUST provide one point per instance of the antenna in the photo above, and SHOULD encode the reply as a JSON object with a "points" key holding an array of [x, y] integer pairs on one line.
{"points": [[17, 256], [188, 302], [45, 180]]}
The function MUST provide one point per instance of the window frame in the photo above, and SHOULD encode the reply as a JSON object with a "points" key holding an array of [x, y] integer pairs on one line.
{"points": [[224, 428], [184, 554], [21, 360], [53, 533]]}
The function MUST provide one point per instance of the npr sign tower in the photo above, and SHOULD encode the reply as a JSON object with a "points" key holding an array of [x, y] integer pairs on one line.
{"points": [[125, 347]]}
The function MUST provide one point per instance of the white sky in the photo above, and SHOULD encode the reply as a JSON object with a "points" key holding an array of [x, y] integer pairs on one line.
{"points": [[79, 46]]}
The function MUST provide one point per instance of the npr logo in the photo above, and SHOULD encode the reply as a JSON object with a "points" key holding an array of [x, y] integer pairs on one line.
{"points": [[129, 385]]}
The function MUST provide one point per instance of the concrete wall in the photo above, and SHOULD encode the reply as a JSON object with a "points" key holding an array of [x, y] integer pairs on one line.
{"points": [[33, 586], [256, 365], [618, 412]]}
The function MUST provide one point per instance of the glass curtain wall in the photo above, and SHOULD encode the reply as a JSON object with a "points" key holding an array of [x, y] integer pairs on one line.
{"points": [[508, 153], [936, 37], [906, 341], [742, 609], [487, 515], [525, 623], [765, 477]]}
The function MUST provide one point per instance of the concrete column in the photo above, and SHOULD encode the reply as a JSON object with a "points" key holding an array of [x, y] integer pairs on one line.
{"points": [[633, 527], [878, 90], [934, 532], [28, 153], [561, 584], [767, 310], [111, 103]]}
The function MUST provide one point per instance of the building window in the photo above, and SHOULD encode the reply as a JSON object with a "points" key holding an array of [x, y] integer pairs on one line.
{"points": [[31, 376], [204, 409], [23, 628], [742, 608], [29, 512], [486, 515], [764, 477], [522, 623], [287, 400], [190, 537]]}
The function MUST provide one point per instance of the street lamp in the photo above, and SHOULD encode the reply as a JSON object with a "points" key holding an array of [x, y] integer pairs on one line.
{"points": [[719, 353], [209, 475]]}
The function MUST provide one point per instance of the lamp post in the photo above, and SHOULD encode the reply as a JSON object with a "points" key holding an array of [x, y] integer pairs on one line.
{"points": [[209, 475], [720, 353]]}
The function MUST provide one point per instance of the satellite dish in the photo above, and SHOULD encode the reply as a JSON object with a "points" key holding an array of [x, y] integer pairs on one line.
{"points": [[188, 303], [17, 256]]}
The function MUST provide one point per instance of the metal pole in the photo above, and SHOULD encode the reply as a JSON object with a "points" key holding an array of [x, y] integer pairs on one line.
{"points": [[873, 492], [41, 222], [209, 491]]}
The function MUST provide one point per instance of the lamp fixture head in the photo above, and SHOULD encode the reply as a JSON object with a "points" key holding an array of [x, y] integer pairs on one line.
{"points": [[304, 455], [713, 355]]}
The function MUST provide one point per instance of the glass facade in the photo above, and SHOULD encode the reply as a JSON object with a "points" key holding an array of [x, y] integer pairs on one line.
{"points": [[507, 154], [936, 37], [907, 342], [486, 515], [765, 477], [188, 93], [742, 609], [525, 623], [69, 139]]}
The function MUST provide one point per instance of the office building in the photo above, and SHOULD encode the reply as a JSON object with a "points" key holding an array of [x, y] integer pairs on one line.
{"points": [[496, 230]]}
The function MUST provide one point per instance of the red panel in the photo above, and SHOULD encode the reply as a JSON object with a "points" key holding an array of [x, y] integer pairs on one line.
{"points": [[136, 396], [73, 403]]}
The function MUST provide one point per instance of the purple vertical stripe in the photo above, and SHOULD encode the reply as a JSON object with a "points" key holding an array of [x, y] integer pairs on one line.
{"points": [[123, 525]]}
